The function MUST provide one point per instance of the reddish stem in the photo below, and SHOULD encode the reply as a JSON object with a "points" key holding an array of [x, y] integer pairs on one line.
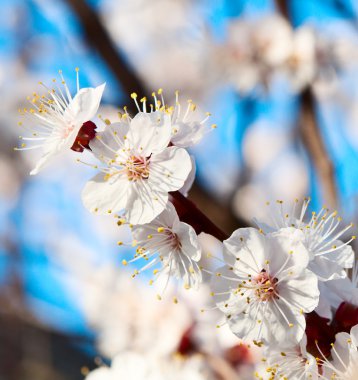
{"points": [[189, 213], [84, 136], [346, 317]]}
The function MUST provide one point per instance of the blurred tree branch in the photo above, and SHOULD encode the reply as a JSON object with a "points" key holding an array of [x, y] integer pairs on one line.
{"points": [[312, 140], [98, 37], [283, 8], [311, 134], [30, 350]]}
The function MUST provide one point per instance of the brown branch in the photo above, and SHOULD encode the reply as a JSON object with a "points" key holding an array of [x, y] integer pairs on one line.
{"points": [[282, 7], [311, 135], [99, 38], [312, 139], [189, 213]]}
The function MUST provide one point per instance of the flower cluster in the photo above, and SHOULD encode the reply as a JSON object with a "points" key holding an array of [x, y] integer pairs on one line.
{"points": [[259, 50], [142, 163], [134, 366], [283, 286]]}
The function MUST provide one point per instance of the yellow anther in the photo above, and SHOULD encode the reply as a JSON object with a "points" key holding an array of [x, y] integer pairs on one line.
{"points": [[160, 229]]}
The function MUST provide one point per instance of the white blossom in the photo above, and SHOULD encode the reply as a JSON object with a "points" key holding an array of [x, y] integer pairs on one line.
{"points": [[254, 49], [235, 57], [114, 306], [335, 292], [188, 126], [265, 288], [293, 363], [172, 244], [133, 366], [139, 169], [344, 363], [58, 118], [271, 39], [328, 254], [300, 67]]}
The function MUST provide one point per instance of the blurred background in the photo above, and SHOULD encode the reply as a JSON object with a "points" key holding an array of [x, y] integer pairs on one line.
{"points": [[280, 80]]}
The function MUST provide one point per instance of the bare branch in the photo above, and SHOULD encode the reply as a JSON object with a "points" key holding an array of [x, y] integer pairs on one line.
{"points": [[311, 135], [282, 7], [312, 139], [98, 37]]}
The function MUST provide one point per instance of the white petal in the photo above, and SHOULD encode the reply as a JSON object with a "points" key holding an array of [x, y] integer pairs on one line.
{"points": [[354, 335], [189, 241], [341, 350], [109, 141], [103, 373], [325, 269], [247, 244], [44, 160], [191, 178], [169, 169], [247, 328], [169, 216], [149, 132], [100, 195], [188, 134], [343, 256], [301, 291], [144, 203], [223, 289], [324, 308], [84, 105], [279, 329], [287, 242]]}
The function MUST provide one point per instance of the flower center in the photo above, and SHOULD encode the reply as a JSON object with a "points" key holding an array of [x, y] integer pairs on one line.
{"points": [[294, 61], [137, 168], [68, 129], [174, 239], [171, 238], [265, 285]]}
